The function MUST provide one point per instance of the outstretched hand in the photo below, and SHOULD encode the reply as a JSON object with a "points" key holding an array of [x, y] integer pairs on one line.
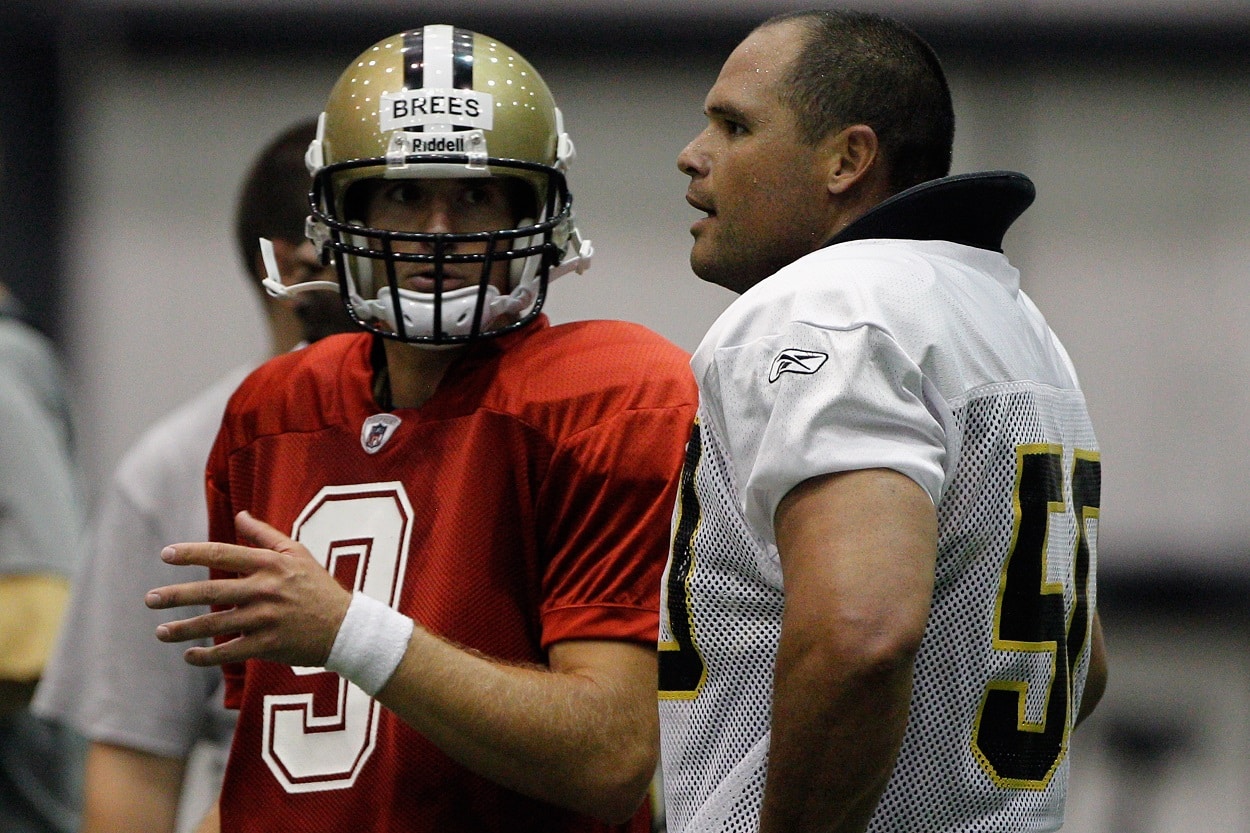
{"points": [[283, 606]]}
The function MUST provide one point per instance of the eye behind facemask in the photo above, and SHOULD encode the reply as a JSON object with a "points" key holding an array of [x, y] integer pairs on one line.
{"points": [[452, 316], [537, 251]]}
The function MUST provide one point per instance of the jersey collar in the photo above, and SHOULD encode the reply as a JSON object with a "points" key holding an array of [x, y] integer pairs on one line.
{"points": [[973, 209]]}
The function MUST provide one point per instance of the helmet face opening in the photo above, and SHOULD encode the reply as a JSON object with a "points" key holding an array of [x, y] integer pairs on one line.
{"points": [[442, 103], [368, 257]]}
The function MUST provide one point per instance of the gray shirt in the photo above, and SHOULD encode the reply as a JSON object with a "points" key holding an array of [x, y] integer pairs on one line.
{"points": [[110, 677], [40, 502], [40, 532]]}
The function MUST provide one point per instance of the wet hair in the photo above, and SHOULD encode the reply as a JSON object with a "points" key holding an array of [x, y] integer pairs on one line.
{"points": [[273, 199], [860, 68]]}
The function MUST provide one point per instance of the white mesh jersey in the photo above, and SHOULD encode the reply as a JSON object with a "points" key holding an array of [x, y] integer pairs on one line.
{"points": [[925, 358]]}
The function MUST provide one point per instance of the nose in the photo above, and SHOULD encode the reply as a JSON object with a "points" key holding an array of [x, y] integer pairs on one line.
{"points": [[435, 217], [692, 161]]}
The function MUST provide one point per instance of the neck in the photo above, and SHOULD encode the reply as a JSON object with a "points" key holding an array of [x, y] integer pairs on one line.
{"points": [[285, 330], [413, 373]]}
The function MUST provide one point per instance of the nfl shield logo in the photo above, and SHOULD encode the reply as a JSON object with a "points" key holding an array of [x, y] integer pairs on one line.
{"points": [[376, 431]]}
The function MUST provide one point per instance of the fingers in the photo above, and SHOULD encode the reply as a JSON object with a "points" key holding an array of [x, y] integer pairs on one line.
{"points": [[235, 558], [280, 603], [263, 535], [205, 656], [206, 626], [230, 558], [216, 592], [235, 650], [251, 631]]}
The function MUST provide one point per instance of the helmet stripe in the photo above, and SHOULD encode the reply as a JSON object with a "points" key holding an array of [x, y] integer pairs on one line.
{"points": [[414, 59], [438, 57], [462, 59]]}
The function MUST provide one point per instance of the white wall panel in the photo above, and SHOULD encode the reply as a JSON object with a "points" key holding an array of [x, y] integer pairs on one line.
{"points": [[1136, 248]]}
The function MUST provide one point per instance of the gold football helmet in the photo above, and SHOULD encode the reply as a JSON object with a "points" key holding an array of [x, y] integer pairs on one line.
{"points": [[435, 103]]}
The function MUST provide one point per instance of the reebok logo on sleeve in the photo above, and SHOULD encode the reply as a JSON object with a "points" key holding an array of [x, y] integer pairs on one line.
{"points": [[793, 360]]}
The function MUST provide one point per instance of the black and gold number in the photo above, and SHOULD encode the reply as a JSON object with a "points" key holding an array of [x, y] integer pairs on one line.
{"points": [[1030, 616], [682, 670]]}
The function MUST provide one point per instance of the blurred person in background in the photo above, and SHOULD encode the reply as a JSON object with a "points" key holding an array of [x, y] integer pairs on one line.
{"points": [[157, 728], [41, 527]]}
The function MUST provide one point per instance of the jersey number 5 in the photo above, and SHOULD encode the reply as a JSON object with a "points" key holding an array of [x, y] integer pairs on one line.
{"points": [[1030, 616], [320, 739]]}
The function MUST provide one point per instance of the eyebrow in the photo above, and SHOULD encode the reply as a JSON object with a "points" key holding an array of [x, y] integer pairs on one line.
{"points": [[728, 112]]}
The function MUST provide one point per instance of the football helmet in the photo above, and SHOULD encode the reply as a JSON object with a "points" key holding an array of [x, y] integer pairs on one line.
{"points": [[443, 102]]}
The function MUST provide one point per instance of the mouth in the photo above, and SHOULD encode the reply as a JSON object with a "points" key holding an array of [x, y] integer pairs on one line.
{"points": [[700, 205], [424, 282]]}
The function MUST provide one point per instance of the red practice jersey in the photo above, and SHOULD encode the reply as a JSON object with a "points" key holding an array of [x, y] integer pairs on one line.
{"points": [[526, 503]]}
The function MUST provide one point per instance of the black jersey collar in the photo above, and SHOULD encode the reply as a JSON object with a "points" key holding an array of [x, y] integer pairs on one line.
{"points": [[973, 209]]}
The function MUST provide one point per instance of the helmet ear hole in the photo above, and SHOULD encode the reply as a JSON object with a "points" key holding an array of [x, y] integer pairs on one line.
{"points": [[356, 201], [523, 197]]}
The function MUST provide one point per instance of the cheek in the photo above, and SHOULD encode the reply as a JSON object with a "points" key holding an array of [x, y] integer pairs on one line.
{"points": [[761, 183], [499, 277], [786, 196], [390, 217], [762, 205]]}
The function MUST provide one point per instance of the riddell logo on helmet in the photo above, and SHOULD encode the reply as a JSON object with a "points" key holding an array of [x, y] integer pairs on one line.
{"points": [[417, 108], [403, 143], [438, 144]]}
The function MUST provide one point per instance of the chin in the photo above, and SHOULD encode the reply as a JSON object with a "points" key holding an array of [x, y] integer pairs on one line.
{"points": [[717, 274]]}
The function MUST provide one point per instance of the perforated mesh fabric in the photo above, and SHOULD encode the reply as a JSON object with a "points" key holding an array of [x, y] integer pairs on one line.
{"points": [[524, 504], [1023, 469], [714, 761]]}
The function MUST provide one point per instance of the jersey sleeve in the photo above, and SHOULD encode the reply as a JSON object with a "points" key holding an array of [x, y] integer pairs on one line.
{"points": [[608, 503], [808, 400]]}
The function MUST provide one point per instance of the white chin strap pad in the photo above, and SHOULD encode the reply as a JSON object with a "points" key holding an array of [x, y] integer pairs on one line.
{"points": [[273, 280], [417, 309]]}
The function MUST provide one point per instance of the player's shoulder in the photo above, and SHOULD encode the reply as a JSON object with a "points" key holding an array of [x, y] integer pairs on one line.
{"points": [[882, 283], [610, 342], [22, 343], [310, 363], [31, 375], [602, 352], [863, 272], [302, 390], [617, 364], [316, 365]]}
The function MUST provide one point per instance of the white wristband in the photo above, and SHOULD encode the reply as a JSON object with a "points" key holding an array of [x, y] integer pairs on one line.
{"points": [[370, 643]]}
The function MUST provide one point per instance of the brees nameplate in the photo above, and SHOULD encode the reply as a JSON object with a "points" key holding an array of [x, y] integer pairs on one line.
{"points": [[418, 108]]}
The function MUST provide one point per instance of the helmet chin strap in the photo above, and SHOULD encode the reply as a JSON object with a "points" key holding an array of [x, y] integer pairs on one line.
{"points": [[456, 308], [273, 280], [578, 253]]}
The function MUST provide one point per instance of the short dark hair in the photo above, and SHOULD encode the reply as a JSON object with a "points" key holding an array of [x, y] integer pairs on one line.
{"points": [[273, 199], [861, 68]]}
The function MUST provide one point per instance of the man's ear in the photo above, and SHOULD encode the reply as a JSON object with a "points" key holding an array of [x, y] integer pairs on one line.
{"points": [[854, 158]]}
